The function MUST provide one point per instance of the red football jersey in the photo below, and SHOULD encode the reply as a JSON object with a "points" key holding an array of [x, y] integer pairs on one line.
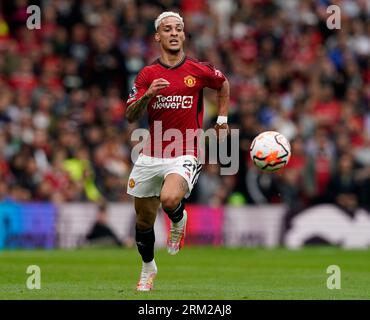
{"points": [[179, 106]]}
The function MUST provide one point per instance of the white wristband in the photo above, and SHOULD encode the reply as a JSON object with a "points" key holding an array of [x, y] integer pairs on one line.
{"points": [[221, 119]]}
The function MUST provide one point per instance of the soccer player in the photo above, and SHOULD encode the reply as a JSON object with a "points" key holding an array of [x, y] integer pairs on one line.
{"points": [[171, 90]]}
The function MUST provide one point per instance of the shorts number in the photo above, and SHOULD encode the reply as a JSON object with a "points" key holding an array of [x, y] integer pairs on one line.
{"points": [[190, 166]]}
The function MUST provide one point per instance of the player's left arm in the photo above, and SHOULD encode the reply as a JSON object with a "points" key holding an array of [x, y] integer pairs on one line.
{"points": [[216, 80], [223, 99]]}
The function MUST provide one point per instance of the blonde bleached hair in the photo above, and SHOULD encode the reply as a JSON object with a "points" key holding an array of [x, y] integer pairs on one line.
{"points": [[167, 14]]}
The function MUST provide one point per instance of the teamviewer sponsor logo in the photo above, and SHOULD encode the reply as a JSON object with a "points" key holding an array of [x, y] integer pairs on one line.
{"points": [[173, 102]]}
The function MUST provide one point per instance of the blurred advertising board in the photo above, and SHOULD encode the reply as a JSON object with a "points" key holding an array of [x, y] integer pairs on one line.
{"points": [[43, 225], [75, 220], [27, 226], [253, 225], [204, 225], [327, 224]]}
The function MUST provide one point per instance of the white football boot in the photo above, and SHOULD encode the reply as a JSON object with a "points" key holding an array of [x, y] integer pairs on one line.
{"points": [[177, 235], [148, 272]]}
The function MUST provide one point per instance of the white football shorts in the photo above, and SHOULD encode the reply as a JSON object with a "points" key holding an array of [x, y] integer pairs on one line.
{"points": [[148, 174]]}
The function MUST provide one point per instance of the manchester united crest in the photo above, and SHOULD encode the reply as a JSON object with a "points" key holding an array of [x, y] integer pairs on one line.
{"points": [[131, 183], [190, 81]]}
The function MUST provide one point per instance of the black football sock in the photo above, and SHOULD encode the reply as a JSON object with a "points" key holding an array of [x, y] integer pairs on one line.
{"points": [[145, 243], [177, 214]]}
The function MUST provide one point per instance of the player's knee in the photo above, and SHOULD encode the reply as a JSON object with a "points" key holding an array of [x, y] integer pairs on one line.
{"points": [[170, 201], [144, 224]]}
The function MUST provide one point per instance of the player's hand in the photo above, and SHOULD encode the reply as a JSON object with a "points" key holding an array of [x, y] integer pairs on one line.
{"points": [[156, 86], [222, 130]]}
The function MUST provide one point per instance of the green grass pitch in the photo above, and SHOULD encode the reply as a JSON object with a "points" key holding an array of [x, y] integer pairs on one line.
{"points": [[203, 273]]}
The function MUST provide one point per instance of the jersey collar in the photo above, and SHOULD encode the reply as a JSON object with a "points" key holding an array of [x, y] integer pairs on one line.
{"points": [[180, 63]]}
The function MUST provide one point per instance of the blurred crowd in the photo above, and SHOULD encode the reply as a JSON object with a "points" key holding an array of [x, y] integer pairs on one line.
{"points": [[63, 135]]}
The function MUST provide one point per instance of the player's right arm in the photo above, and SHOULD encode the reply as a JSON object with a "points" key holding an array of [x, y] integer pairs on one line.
{"points": [[139, 99]]}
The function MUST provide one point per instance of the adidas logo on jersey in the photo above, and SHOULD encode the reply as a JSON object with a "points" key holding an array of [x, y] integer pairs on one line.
{"points": [[173, 102]]}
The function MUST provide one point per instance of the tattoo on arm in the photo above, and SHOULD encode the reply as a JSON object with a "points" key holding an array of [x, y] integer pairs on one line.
{"points": [[184, 185], [136, 110]]}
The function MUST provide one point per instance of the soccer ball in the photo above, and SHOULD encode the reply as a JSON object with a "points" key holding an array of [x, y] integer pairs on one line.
{"points": [[270, 151]]}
